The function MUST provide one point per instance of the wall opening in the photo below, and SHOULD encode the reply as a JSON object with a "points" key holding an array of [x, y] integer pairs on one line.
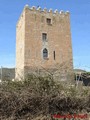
{"points": [[54, 55], [45, 53], [44, 37], [49, 21]]}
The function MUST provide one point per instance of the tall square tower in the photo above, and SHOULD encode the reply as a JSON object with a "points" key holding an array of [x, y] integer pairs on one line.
{"points": [[43, 40]]}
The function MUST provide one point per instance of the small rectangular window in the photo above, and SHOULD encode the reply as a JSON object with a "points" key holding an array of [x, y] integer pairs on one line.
{"points": [[48, 21], [44, 36]]}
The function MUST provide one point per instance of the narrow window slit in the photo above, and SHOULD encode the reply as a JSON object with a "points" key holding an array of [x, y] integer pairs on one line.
{"points": [[54, 54]]}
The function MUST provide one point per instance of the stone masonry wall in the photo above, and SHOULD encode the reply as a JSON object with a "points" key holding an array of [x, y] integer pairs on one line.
{"points": [[30, 46]]}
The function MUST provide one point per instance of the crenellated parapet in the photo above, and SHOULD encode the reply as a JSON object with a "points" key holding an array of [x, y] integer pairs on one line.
{"points": [[46, 11], [43, 42]]}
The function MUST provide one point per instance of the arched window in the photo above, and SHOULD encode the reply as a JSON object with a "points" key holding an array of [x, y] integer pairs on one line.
{"points": [[45, 53]]}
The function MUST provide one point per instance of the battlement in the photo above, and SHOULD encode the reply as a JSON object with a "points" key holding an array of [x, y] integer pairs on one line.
{"points": [[44, 11], [43, 40], [34, 8]]}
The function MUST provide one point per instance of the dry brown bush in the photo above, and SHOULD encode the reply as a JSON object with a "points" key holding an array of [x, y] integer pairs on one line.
{"points": [[37, 98]]}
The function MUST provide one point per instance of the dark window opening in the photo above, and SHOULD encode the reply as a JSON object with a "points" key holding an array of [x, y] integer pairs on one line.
{"points": [[45, 53], [44, 36], [54, 54], [48, 21]]}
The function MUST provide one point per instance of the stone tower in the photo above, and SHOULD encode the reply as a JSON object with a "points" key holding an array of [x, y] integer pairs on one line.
{"points": [[43, 40]]}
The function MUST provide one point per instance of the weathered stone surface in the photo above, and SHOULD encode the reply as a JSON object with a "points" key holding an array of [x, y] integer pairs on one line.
{"points": [[29, 44]]}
